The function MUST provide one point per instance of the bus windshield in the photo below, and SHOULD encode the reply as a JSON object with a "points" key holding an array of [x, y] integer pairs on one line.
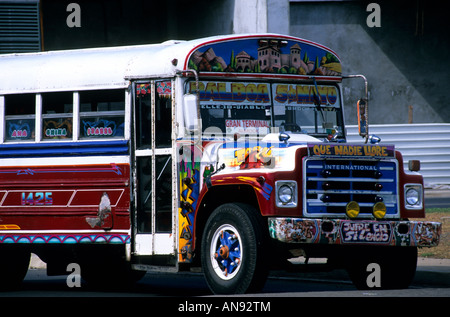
{"points": [[256, 109]]}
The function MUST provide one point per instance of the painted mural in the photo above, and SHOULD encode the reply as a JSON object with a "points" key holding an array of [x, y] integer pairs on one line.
{"points": [[297, 230], [189, 188], [271, 56]]}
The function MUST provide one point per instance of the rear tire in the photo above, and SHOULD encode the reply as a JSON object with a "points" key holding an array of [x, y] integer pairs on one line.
{"points": [[233, 250], [13, 267]]}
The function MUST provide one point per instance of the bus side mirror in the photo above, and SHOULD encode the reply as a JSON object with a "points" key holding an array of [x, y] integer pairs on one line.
{"points": [[190, 111], [362, 118], [414, 165]]}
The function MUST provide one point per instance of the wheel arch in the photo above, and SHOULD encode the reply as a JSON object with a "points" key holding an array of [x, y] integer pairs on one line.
{"points": [[219, 195]]}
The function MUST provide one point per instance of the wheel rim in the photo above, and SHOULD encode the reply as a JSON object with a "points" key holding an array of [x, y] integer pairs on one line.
{"points": [[226, 252]]}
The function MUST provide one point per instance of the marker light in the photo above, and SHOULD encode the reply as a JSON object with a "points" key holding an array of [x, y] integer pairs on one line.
{"points": [[379, 210], [352, 209]]}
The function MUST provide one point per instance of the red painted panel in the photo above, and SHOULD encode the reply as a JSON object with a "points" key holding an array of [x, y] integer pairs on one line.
{"points": [[64, 197]]}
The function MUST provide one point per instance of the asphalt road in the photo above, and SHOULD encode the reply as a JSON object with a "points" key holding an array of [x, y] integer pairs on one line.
{"points": [[37, 283], [170, 294], [441, 201]]}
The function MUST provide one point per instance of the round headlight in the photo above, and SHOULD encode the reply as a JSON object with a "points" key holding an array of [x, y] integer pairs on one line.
{"points": [[285, 194], [412, 196]]}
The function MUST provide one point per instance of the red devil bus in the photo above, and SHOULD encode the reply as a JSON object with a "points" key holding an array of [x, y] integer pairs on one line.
{"points": [[227, 154]]}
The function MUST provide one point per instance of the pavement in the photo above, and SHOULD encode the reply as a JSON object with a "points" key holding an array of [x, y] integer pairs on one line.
{"points": [[430, 272], [433, 272]]}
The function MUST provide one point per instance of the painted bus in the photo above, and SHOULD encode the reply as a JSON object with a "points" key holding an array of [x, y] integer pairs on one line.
{"points": [[225, 154]]}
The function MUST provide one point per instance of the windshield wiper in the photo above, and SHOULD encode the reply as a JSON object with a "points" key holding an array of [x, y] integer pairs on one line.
{"points": [[316, 99]]}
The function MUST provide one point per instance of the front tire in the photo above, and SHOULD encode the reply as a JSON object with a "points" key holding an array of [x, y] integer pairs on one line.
{"points": [[233, 250]]}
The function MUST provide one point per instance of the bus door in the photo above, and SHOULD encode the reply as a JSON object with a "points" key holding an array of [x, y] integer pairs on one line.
{"points": [[154, 168]]}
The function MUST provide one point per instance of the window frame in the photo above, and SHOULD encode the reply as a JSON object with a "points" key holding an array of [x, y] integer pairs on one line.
{"points": [[76, 116]]}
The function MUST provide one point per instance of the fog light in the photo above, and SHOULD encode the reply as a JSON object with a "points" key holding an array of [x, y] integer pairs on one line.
{"points": [[379, 210], [352, 209]]}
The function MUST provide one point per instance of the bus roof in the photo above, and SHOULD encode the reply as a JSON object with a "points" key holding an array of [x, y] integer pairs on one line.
{"points": [[260, 55]]}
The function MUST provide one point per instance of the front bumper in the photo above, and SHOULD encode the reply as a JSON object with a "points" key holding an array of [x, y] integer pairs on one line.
{"points": [[355, 232]]}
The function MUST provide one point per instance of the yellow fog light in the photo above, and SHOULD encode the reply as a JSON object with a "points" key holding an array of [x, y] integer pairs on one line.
{"points": [[352, 209], [379, 210]]}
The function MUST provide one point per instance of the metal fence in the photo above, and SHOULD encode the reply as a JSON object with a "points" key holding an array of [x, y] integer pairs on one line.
{"points": [[429, 143]]}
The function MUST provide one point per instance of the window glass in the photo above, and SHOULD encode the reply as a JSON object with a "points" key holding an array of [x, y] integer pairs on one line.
{"points": [[102, 113], [163, 114], [20, 117], [143, 103], [57, 118]]}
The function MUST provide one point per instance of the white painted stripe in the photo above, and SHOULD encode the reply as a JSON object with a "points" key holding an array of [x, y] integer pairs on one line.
{"points": [[64, 161]]}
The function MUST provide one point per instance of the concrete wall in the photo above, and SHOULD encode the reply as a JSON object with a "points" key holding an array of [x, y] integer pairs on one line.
{"points": [[406, 60], [128, 22]]}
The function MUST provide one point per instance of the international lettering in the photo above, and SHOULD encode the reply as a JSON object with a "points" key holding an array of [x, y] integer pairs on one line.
{"points": [[350, 167]]}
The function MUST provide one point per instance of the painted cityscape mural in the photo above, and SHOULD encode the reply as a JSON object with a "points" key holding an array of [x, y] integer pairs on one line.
{"points": [[266, 56]]}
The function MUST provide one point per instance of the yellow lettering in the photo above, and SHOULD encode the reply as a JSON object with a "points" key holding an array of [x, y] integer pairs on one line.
{"points": [[345, 152], [359, 150], [238, 92], [322, 149]]}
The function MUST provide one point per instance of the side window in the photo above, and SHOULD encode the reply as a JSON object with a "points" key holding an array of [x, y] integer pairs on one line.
{"points": [[20, 117], [102, 113], [57, 118]]}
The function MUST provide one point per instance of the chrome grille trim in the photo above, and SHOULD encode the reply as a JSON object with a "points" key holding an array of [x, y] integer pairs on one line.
{"points": [[349, 179]]}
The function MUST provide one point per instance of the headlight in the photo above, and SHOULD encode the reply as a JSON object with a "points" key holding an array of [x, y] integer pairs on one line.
{"points": [[286, 193], [413, 196]]}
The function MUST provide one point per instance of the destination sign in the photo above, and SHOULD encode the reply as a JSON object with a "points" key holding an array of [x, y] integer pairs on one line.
{"points": [[324, 149]]}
